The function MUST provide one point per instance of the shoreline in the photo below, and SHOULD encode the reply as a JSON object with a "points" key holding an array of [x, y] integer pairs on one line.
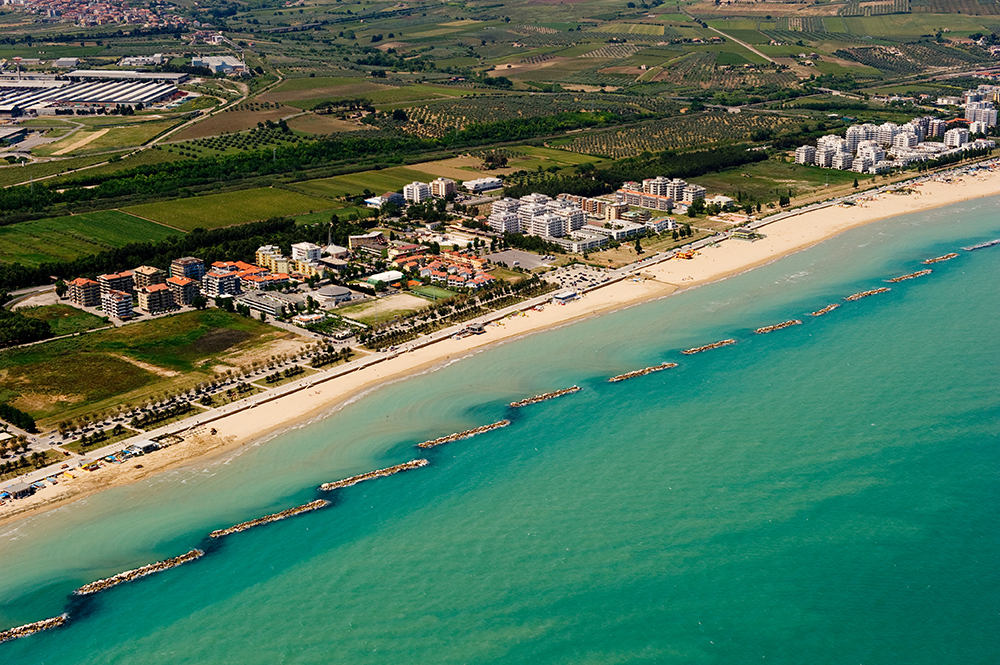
{"points": [[316, 399]]}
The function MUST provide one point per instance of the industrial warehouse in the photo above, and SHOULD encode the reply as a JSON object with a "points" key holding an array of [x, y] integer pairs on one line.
{"points": [[84, 89]]}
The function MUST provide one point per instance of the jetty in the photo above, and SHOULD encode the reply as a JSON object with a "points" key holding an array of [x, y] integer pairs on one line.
{"points": [[267, 519], [912, 275], [464, 435], [865, 294], [641, 372], [32, 628], [136, 573], [943, 257], [545, 396], [778, 326], [709, 347], [982, 245], [371, 475], [826, 310]]}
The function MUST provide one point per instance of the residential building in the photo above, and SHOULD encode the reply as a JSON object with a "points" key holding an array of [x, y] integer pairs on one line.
{"points": [[936, 128], [119, 281], [155, 298], [306, 251], [905, 140], [417, 191], [505, 222], [183, 289], [886, 133], [824, 157], [265, 256], [442, 187], [956, 138], [842, 161], [84, 292], [117, 304], [189, 267], [805, 154], [220, 283], [548, 224], [693, 193], [148, 276], [978, 127]]}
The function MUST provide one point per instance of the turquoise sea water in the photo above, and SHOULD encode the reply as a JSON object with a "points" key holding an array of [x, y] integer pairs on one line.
{"points": [[823, 494]]}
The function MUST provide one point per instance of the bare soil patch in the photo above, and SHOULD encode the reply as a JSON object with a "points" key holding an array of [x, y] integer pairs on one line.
{"points": [[232, 121], [323, 124]]}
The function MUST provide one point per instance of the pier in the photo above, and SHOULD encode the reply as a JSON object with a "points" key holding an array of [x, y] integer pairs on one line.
{"points": [[912, 275], [641, 372], [136, 573], [709, 347], [938, 259], [825, 310], [545, 396], [267, 519], [464, 435], [371, 475], [778, 326], [32, 628], [865, 294]]}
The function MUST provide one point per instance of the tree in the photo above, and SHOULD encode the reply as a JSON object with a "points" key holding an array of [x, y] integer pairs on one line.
{"points": [[638, 246], [855, 183], [263, 317], [199, 302], [61, 288]]}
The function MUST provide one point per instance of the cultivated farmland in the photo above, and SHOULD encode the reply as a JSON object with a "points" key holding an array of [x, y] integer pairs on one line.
{"points": [[67, 238], [229, 208], [680, 132]]}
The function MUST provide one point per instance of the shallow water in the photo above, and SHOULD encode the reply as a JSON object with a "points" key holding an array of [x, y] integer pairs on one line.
{"points": [[824, 494]]}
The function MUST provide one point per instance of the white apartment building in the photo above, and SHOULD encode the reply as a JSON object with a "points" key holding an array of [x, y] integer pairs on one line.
{"points": [[805, 154], [978, 127], [886, 133], [574, 218], [936, 127], [548, 224], [505, 204], [842, 161], [905, 140], [824, 157], [658, 186], [306, 251], [956, 138], [861, 164], [694, 193], [505, 222], [417, 191]]}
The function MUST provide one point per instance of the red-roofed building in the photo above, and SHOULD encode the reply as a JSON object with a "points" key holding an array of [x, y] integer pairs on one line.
{"points": [[84, 292], [155, 298], [183, 289]]}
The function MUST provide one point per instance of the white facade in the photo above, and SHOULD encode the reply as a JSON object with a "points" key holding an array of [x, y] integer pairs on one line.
{"points": [[417, 191], [505, 222], [955, 138], [805, 154], [694, 193], [886, 133], [824, 157], [482, 184], [842, 161], [306, 251], [905, 140], [548, 224]]}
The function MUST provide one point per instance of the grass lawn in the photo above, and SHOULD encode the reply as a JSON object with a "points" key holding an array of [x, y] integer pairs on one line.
{"points": [[108, 138], [385, 309], [433, 292], [67, 238], [229, 208], [511, 276], [380, 181], [64, 379], [768, 180], [64, 319]]}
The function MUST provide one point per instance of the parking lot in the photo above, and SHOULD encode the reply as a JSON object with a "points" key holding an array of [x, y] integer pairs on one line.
{"points": [[517, 258], [578, 277]]}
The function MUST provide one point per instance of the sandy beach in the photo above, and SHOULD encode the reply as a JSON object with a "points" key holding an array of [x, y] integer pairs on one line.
{"points": [[727, 258]]}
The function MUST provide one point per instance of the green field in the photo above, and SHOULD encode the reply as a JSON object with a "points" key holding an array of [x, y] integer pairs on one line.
{"points": [[67, 238], [66, 378], [384, 180], [12, 175], [64, 319], [432, 292], [767, 181], [229, 208]]}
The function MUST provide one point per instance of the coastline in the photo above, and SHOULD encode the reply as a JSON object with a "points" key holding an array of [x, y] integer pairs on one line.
{"points": [[783, 237]]}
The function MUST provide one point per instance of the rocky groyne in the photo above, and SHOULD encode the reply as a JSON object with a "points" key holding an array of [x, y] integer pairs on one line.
{"points": [[136, 573], [267, 519], [371, 475]]}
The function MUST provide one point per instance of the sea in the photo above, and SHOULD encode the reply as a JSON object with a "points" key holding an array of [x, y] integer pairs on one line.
{"points": [[825, 494]]}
